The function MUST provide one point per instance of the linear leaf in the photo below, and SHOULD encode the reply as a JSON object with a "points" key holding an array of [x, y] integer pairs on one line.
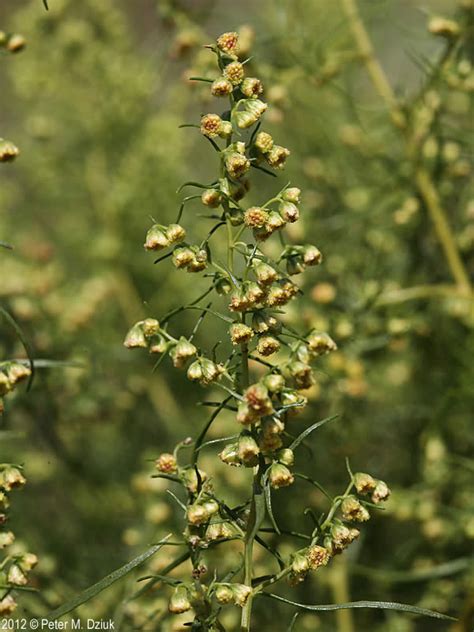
{"points": [[26, 345], [309, 430], [104, 583], [378, 605]]}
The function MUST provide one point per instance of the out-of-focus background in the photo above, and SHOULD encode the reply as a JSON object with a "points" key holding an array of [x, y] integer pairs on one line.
{"points": [[94, 103]]}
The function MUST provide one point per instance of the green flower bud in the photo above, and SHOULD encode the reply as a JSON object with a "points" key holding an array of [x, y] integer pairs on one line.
{"points": [[289, 211], [156, 238], [381, 492], [197, 514], [251, 87], [229, 455], [179, 601], [280, 476], [7, 605], [211, 198], [6, 539], [248, 450], [223, 286], [159, 344], [312, 256], [241, 594], [353, 510], [8, 151], [16, 576], [175, 233], [286, 456], [263, 323], [11, 478], [263, 142], [224, 594], [300, 564], [245, 414], [183, 257], [264, 272], [267, 345], [292, 194], [277, 156], [446, 28], [258, 400], [364, 483], [182, 352], [274, 382], [321, 343]]}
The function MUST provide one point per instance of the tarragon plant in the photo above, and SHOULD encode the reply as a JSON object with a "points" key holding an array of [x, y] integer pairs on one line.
{"points": [[263, 370]]}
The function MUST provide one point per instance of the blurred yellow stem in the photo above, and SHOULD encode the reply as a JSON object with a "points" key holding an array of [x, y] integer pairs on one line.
{"points": [[423, 180]]}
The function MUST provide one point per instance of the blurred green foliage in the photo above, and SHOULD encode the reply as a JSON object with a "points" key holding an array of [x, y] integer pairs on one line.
{"points": [[94, 103]]}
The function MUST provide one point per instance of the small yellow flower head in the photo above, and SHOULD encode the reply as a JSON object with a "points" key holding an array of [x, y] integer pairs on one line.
{"points": [[211, 198], [241, 594], [6, 539], [342, 536], [264, 272], [381, 492], [179, 601], [300, 564], [218, 531], [27, 562], [236, 164], [175, 233], [258, 399], [256, 107], [221, 87], [156, 238], [277, 156], [264, 142], [267, 345], [240, 333], [255, 217], [7, 605], [224, 594], [292, 194], [211, 125], [197, 514], [226, 129], [321, 343], [198, 262], [286, 456], [150, 326], [275, 382], [238, 301], [444, 27], [364, 483], [203, 371], [251, 87], [228, 43], [301, 373], [182, 257], [5, 384], [312, 256], [15, 43], [253, 293], [289, 212], [166, 463], [16, 576], [18, 372], [229, 455], [8, 151], [353, 510], [248, 450], [246, 415], [280, 476], [11, 478], [182, 352], [234, 72], [317, 556]]}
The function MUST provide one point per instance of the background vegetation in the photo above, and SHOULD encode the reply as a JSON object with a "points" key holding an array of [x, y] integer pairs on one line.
{"points": [[94, 104]]}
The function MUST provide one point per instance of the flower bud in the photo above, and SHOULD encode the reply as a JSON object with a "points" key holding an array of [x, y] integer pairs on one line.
{"points": [[8, 151], [277, 156], [251, 87], [321, 343], [182, 352], [245, 414], [7, 605], [234, 72], [15, 43], [312, 255], [248, 450], [263, 323], [197, 514], [267, 345], [218, 531], [256, 107], [289, 211], [16, 577], [444, 27], [159, 344], [257, 398], [236, 164], [269, 443], [255, 217], [253, 293], [175, 233], [221, 87], [295, 265], [179, 601], [381, 492], [191, 479], [226, 129], [211, 198], [17, 372], [211, 125], [301, 374], [150, 327], [364, 483], [317, 556], [156, 238], [292, 194], [293, 401], [229, 455], [263, 142], [203, 371], [240, 333], [245, 119], [238, 301], [274, 382], [211, 506], [275, 222], [166, 463], [300, 564], [264, 272], [342, 536], [224, 594], [182, 257], [353, 510], [198, 262], [280, 476], [11, 478], [241, 594], [286, 457], [6, 539], [223, 286], [228, 43]]}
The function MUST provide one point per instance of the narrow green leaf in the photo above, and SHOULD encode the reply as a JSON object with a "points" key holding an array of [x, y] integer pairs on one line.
{"points": [[309, 430], [291, 627], [45, 4], [5, 245], [205, 79], [268, 501], [26, 345], [107, 581], [378, 605]]}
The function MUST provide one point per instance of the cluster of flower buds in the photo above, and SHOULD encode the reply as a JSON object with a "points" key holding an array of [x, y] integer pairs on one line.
{"points": [[11, 374], [16, 566]]}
